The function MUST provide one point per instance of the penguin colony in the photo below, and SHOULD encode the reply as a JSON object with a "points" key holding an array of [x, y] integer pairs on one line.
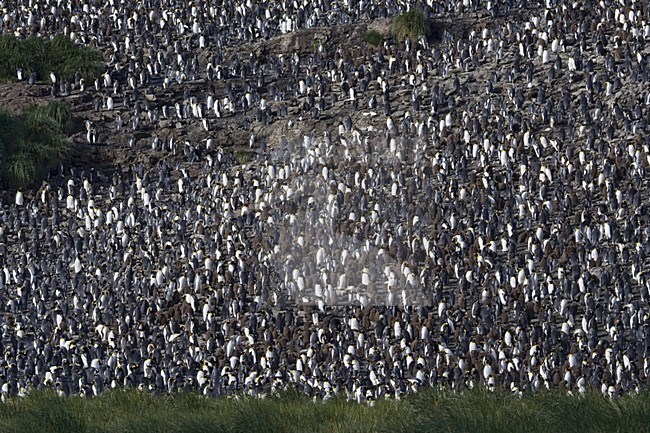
{"points": [[477, 216]]}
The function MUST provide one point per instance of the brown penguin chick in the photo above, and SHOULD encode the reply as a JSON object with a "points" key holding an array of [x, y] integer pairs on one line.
{"points": [[564, 258], [365, 318]]}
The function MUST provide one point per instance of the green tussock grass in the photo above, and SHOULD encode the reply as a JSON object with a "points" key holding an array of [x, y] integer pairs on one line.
{"points": [[412, 24], [56, 111], [315, 43], [373, 37], [33, 143], [243, 157], [59, 55], [475, 410]]}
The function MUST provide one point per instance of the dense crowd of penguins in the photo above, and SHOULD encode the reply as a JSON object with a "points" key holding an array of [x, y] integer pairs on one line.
{"points": [[478, 218]]}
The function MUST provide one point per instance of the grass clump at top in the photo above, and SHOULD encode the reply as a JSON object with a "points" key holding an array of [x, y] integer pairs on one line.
{"points": [[57, 111], [42, 56], [33, 143], [413, 24], [243, 157], [373, 37]]}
